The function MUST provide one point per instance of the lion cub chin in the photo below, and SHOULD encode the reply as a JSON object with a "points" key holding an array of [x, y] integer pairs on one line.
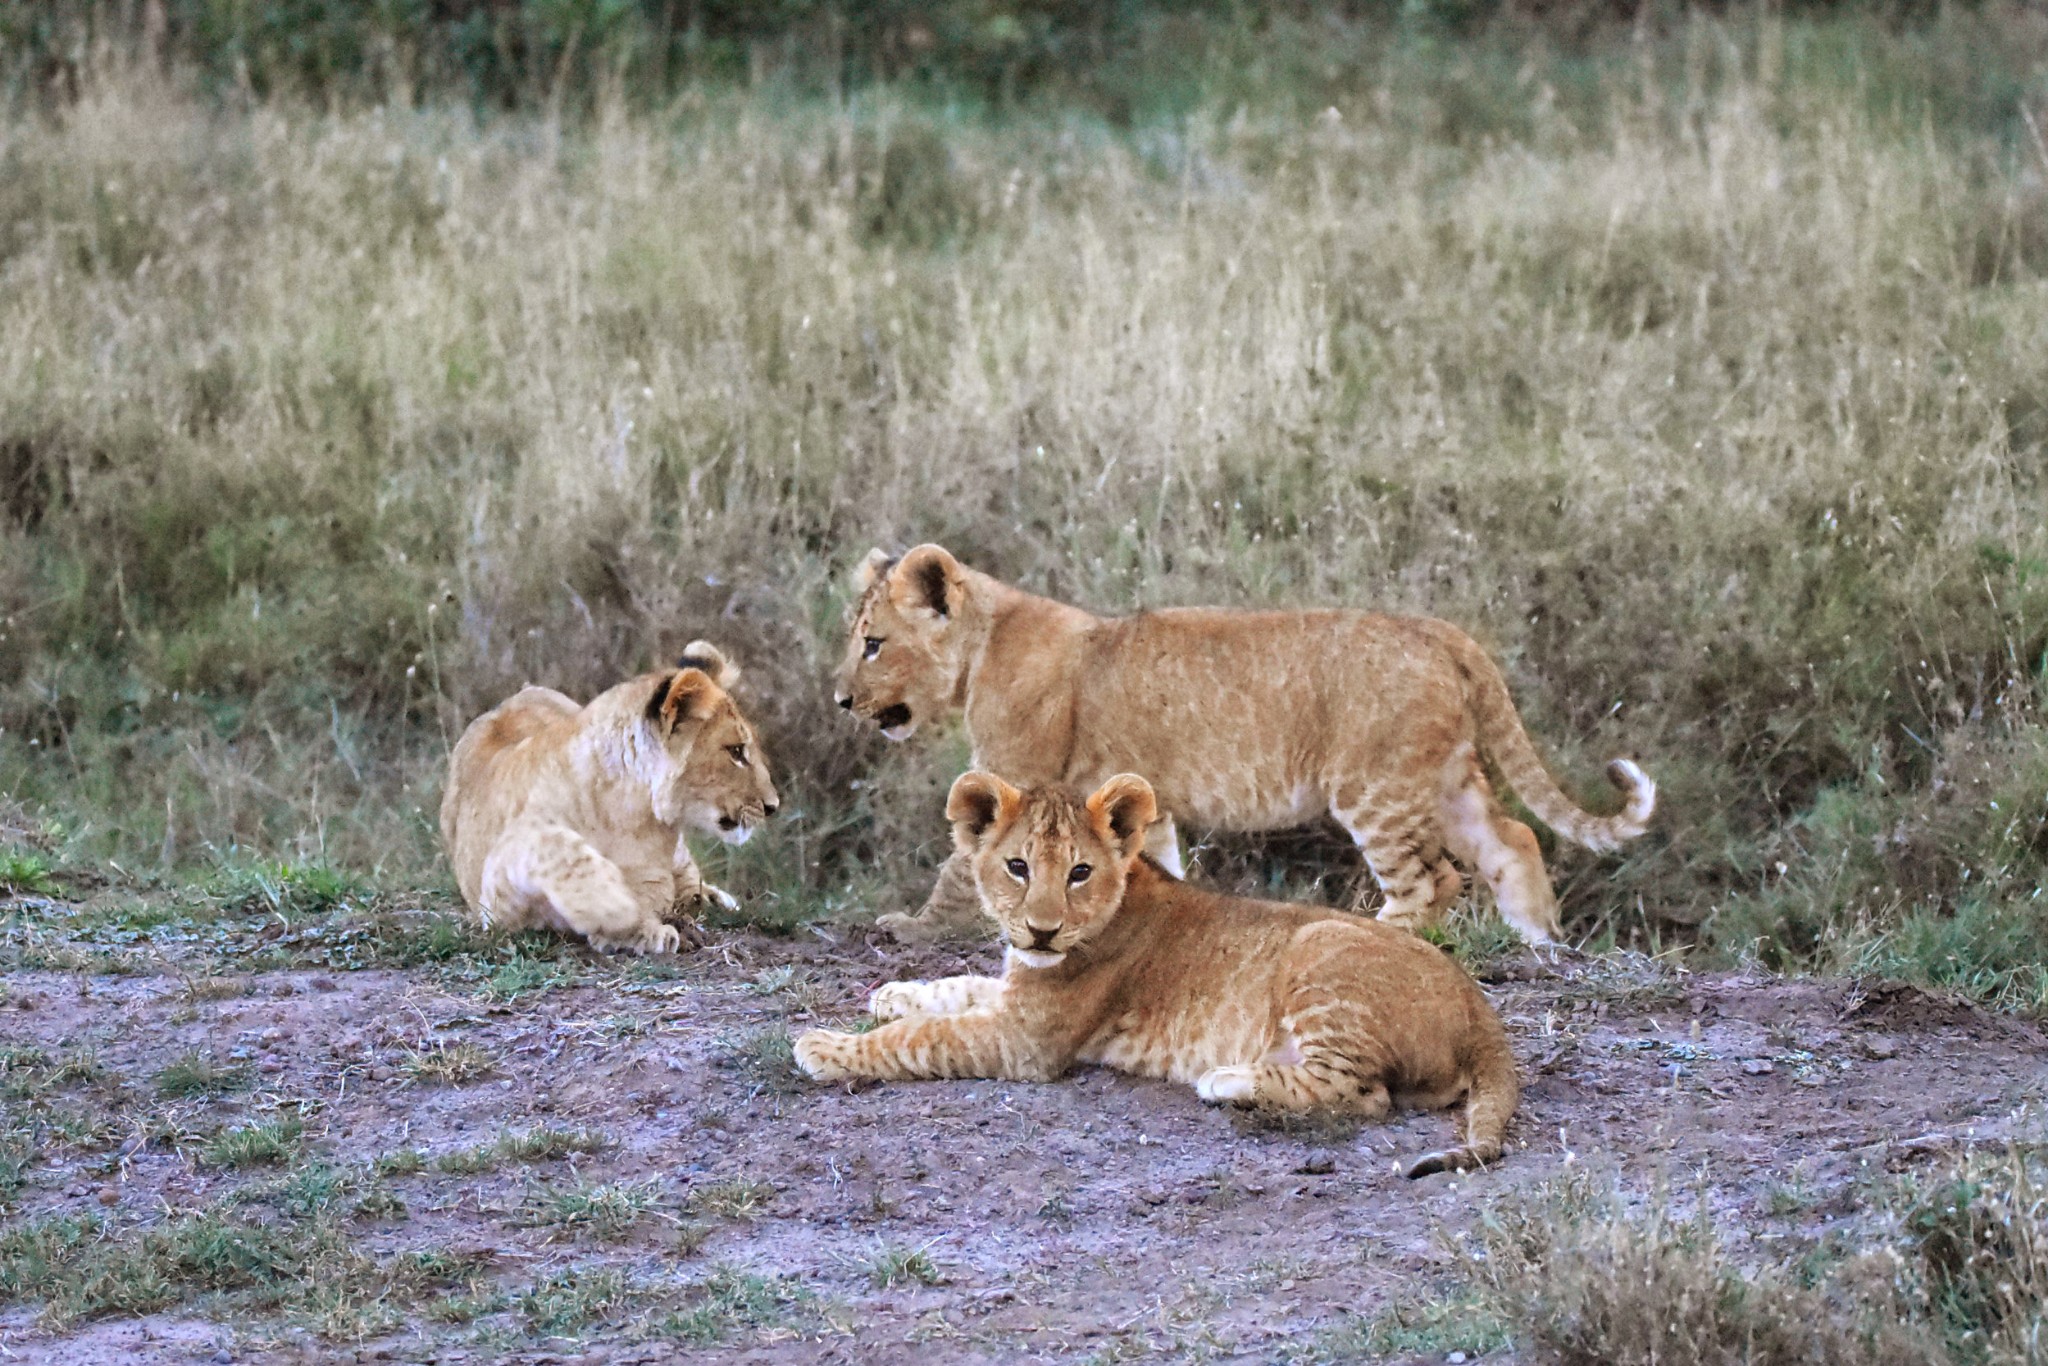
{"points": [[571, 818], [1113, 960]]}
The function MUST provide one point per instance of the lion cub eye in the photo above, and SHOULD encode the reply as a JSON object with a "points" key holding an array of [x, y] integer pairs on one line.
{"points": [[1079, 874], [870, 646], [738, 753], [1019, 869]]}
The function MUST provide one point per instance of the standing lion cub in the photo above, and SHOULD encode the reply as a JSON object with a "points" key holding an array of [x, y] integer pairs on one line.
{"points": [[1242, 720], [1113, 960], [571, 818]]}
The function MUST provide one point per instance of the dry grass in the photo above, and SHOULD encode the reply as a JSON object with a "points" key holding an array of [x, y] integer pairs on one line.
{"points": [[1705, 380], [1951, 1266]]}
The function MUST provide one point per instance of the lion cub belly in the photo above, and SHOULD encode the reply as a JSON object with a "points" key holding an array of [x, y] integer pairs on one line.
{"points": [[1181, 1050], [1248, 800]]}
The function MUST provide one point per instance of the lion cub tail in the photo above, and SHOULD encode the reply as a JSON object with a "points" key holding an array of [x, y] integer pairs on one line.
{"points": [[1507, 744], [1489, 1105]]}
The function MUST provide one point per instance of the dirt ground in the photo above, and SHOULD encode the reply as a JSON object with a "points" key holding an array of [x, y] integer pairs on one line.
{"points": [[1098, 1218]]}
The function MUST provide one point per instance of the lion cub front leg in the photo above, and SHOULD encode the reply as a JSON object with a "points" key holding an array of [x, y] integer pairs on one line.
{"points": [[690, 884], [981, 1043], [946, 996], [954, 903], [545, 874]]}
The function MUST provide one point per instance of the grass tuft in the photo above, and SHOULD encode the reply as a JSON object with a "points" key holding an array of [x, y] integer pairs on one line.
{"points": [[535, 1145], [199, 1074], [271, 1143], [446, 1064]]}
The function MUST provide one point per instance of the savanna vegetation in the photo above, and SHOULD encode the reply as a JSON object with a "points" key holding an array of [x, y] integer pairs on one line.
{"points": [[1697, 365]]}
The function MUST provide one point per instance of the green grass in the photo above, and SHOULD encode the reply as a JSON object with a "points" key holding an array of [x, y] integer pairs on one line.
{"points": [[17, 1155], [534, 1145], [270, 1143], [198, 1074], [735, 1198], [766, 1058], [605, 1211], [401, 1162], [570, 1301], [306, 1269], [729, 1300], [25, 871], [892, 1264], [449, 1064], [285, 889], [524, 976], [1425, 1327]]}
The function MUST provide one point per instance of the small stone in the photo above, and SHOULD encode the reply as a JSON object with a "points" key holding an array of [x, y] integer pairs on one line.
{"points": [[110, 1195], [1456, 1359], [323, 984], [1152, 1195], [270, 1063], [222, 1357], [1321, 1162], [1879, 1047], [1756, 1067], [381, 1073]]}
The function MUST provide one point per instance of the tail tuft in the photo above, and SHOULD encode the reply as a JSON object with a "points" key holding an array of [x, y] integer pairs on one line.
{"points": [[1443, 1160], [1639, 794]]}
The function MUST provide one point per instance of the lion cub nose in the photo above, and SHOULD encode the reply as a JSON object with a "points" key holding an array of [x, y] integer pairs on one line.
{"points": [[1042, 939], [770, 808], [846, 702]]}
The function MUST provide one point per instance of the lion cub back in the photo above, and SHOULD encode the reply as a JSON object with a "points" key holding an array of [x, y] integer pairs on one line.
{"points": [[484, 792]]}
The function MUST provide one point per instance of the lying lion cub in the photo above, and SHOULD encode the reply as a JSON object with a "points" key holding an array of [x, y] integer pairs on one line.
{"points": [[1113, 960], [571, 817], [1244, 720]]}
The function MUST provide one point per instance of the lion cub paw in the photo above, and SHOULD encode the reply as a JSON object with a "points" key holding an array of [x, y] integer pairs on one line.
{"points": [[661, 939], [822, 1054], [657, 938], [894, 1000], [1225, 1085], [721, 898], [906, 929]]}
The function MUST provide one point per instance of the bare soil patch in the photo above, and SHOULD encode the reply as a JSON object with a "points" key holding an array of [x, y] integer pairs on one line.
{"points": [[612, 1161]]}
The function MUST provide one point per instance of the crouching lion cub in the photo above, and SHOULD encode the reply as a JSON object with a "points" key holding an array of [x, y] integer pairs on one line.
{"points": [[1243, 720], [571, 818], [1113, 960]]}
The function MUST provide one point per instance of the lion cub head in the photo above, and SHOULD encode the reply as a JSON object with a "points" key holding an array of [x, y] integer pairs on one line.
{"points": [[905, 649], [707, 769], [1050, 865]]}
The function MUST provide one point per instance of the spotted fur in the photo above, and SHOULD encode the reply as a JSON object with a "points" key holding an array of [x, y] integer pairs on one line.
{"points": [[1242, 721], [1113, 960]]}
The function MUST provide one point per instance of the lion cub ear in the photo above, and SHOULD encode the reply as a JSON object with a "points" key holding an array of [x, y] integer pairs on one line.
{"points": [[702, 654], [978, 803], [873, 567], [928, 578], [1121, 809], [686, 695]]}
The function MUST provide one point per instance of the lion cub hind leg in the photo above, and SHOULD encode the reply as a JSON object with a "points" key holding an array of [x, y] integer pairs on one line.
{"points": [[546, 874], [1504, 851], [1322, 1080], [946, 996], [1398, 834]]}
